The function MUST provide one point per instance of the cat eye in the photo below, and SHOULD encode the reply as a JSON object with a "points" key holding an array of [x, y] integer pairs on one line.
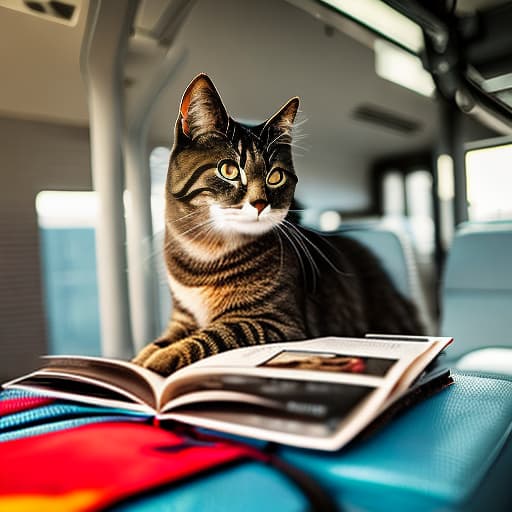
{"points": [[228, 169], [276, 177]]}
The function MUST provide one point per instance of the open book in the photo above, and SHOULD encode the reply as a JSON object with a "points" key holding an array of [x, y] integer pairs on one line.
{"points": [[317, 394]]}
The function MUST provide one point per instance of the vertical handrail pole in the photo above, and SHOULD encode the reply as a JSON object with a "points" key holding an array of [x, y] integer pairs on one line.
{"points": [[141, 272], [102, 59], [141, 251], [140, 103]]}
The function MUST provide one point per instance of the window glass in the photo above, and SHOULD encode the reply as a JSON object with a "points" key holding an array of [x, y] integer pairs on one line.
{"points": [[489, 183], [393, 198], [418, 190], [158, 163], [407, 200], [68, 261]]}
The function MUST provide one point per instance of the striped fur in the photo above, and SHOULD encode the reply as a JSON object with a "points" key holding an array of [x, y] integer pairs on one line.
{"points": [[240, 272]]}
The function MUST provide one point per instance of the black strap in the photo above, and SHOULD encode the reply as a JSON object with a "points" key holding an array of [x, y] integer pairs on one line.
{"points": [[319, 499]]}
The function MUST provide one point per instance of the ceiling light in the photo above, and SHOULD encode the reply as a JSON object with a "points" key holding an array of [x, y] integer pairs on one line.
{"points": [[398, 66], [382, 19]]}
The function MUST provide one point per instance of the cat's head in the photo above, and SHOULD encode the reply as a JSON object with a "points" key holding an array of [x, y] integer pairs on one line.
{"points": [[227, 179]]}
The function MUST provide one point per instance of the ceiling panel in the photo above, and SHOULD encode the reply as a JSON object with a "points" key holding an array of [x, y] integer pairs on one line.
{"points": [[40, 67]]}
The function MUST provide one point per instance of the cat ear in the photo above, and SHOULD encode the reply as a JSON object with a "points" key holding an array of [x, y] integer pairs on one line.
{"points": [[201, 109], [281, 123]]}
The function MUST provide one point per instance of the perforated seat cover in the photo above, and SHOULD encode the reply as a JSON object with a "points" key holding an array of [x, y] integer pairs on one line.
{"points": [[435, 456]]}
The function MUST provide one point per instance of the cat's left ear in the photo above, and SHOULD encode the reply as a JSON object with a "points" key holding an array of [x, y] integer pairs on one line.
{"points": [[281, 123], [201, 109]]}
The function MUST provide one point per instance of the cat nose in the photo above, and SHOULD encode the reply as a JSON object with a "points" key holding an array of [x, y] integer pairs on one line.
{"points": [[260, 205]]}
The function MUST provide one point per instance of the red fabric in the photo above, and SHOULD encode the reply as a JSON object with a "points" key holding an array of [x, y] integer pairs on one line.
{"points": [[92, 466], [13, 405]]}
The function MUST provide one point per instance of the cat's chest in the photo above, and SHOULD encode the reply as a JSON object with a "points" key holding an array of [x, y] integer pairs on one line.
{"points": [[192, 298]]}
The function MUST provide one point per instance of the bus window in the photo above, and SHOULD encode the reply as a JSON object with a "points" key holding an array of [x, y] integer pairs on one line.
{"points": [[418, 193], [489, 183], [158, 163], [393, 194], [66, 226], [406, 195]]}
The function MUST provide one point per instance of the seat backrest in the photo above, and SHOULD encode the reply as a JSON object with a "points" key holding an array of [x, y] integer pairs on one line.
{"points": [[393, 248], [477, 288]]}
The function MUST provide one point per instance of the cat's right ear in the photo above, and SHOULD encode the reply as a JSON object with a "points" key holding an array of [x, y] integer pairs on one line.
{"points": [[280, 125], [201, 109]]}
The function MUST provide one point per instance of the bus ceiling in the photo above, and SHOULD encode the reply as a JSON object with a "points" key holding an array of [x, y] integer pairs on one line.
{"points": [[468, 55], [463, 51], [465, 45]]}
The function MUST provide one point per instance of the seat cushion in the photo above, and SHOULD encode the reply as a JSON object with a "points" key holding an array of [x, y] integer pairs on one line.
{"points": [[489, 360], [450, 452], [477, 289], [434, 456]]}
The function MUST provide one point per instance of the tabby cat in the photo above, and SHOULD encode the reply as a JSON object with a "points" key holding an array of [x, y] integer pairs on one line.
{"points": [[240, 272]]}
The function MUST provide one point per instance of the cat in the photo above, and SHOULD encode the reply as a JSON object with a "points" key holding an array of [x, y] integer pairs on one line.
{"points": [[240, 271]]}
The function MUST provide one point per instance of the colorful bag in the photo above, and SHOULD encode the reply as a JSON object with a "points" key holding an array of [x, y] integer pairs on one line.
{"points": [[60, 455]]}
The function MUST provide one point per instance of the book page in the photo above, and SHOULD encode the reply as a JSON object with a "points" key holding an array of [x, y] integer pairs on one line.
{"points": [[360, 361], [83, 390], [120, 381], [328, 389], [415, 371]]}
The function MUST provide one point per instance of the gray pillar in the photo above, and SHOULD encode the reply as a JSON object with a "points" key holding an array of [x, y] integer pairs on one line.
{"points": [[145, 311], [141, 272], [107, 32]]}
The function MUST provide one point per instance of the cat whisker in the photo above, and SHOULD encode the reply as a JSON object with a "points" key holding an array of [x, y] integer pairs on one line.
{"points": [[188, 215], [334, 248], [296, 250], [314, 246], [203, 235], [298, 132], [277, 138], [281, 249], [209, 225], [294, 145], [196, 226], [314, 267]]}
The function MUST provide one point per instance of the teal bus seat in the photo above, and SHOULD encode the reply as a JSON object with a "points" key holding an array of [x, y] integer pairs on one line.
{"points": [[393, 248], [477, 292], [450, 452]]}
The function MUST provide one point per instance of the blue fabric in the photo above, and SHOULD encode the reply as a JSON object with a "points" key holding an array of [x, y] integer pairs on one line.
{"points": [[58, 415], [58, 425], [249, 488], [436, 455], [386, 245], [480, 258], [57, 411], [477, 289], [8, 394], [432, 457]]}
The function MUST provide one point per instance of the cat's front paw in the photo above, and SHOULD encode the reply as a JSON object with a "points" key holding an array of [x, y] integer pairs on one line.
{"points": [[145, 354], [150, 349], [163, 360]]}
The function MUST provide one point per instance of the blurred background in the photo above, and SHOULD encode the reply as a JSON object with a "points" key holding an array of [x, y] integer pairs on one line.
{"points": [[89, 94]]}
